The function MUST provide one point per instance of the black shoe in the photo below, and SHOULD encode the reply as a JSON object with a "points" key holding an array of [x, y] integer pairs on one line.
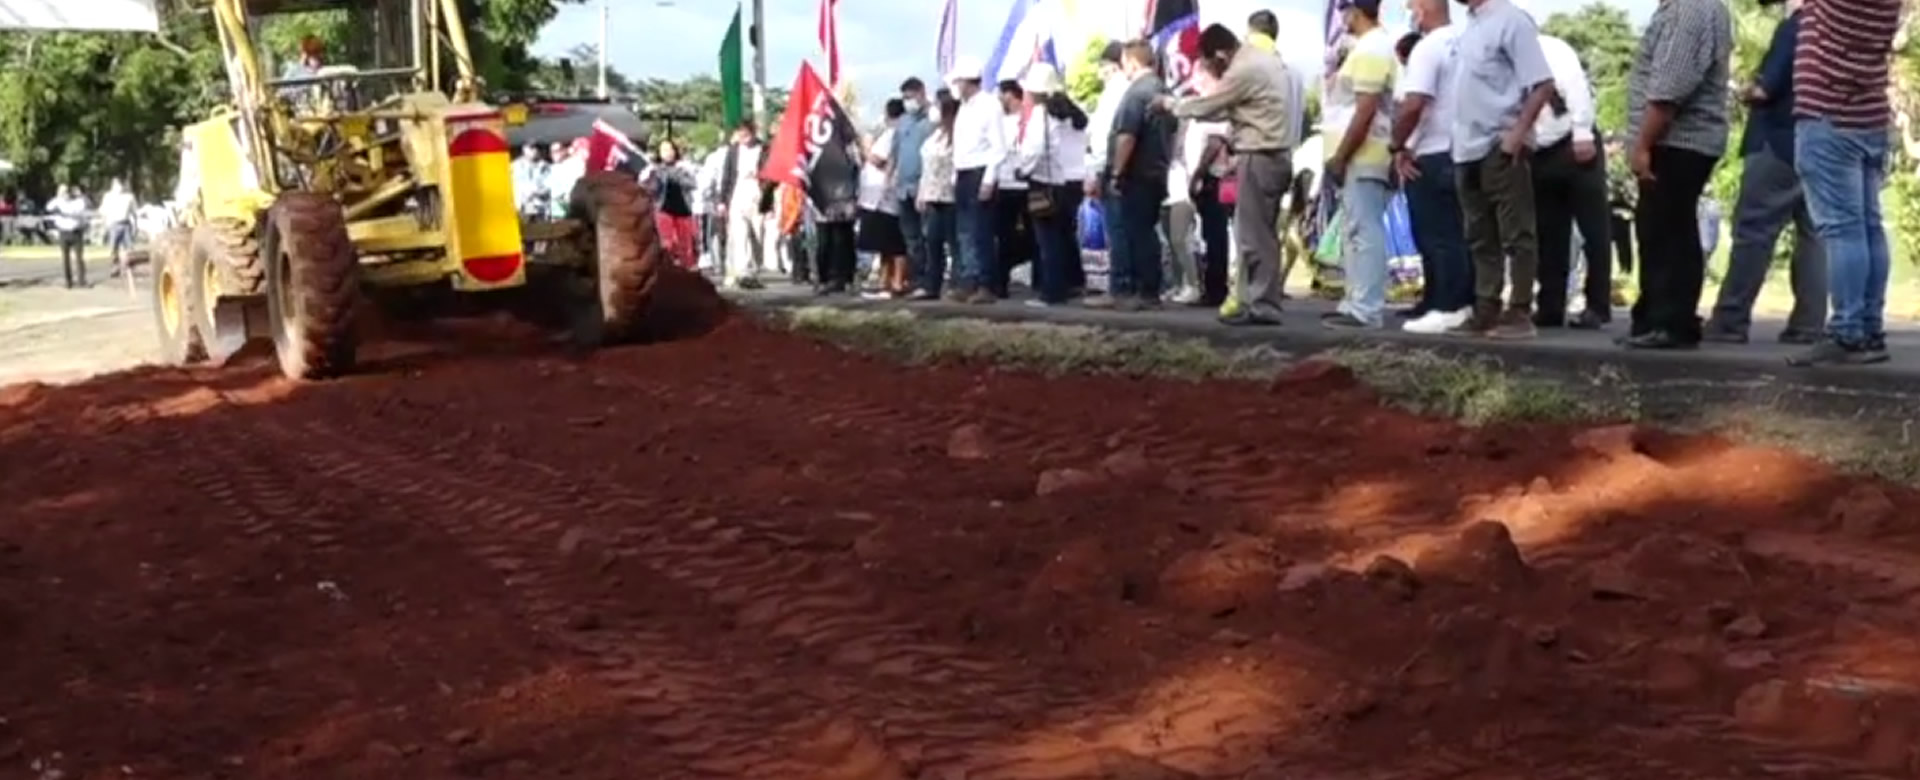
{"points": [[1588, 320], [1548, 320], [1832, 352], [1247, 318], [1719, 335], [1660, 339], [1808, 337]]}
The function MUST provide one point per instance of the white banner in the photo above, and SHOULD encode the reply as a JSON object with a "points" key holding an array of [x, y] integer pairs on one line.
{"points": [[103, 15]]}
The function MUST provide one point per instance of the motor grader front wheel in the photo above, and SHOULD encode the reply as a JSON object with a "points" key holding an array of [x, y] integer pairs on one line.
{"points": [[313, 286], [227, 272], [622, 245], [173, 303]]}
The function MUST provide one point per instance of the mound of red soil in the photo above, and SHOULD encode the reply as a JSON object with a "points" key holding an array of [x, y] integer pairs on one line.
{"points": [[736, 553]]}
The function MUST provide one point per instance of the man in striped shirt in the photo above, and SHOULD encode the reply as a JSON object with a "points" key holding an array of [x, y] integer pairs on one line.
{"points": [[1840, 77]]}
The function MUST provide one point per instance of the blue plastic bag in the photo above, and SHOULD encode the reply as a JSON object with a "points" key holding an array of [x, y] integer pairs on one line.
{"points": [[1093, 227]]}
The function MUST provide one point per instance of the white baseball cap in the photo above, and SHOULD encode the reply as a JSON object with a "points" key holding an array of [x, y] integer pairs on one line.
{"points": [[966, 69], [1041, 78]]}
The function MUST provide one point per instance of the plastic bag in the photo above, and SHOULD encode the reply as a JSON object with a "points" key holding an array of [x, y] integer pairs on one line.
{"points": [[1093, 227]]}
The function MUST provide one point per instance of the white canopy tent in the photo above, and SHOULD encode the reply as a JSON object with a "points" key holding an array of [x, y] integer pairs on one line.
{"points": [[95, 15]]}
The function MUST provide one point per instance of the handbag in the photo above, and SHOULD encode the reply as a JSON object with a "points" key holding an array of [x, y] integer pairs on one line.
{"points": [[1039, 194]]}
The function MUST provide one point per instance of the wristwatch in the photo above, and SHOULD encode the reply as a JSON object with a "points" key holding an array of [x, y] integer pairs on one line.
{"points": [[1396, 149]]}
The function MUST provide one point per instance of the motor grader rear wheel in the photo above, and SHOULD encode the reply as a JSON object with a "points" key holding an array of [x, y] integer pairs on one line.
{"points": [[225, 267], [313, 286], [173, 303], [622, 244]]}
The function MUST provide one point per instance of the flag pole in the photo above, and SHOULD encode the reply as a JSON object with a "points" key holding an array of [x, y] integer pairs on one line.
{"points": [[760, 65], [606, 17]]}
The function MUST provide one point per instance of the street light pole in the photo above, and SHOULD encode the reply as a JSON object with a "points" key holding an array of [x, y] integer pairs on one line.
{"points": [[760, 65]]}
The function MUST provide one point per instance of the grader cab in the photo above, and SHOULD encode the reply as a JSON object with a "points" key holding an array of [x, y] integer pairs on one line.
{"points": [[395, 175]]}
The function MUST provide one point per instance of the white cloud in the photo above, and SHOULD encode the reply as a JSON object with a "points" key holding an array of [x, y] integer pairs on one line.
{"points": [[884, 41]]}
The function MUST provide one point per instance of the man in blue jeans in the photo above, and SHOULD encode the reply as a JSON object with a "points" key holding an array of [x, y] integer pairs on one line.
{"points": [[904, 182], [1423, 157], [1840, 75], [1139, 157], [980, 149]]}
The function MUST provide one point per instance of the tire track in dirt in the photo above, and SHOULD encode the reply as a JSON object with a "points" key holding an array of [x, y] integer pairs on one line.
{"points": [[693, 707], [786, 596], [792, 602]]}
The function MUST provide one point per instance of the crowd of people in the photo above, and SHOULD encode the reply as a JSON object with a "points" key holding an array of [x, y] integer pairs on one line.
{"points": [[1484, 126], [72, 222]]}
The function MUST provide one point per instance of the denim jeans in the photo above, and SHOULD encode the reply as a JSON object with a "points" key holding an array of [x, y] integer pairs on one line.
{"points": [[1433, 205], [1119, 275], [942, 235], [1059, 244], [1138, 248], [1843, 170], [912, 230], [1364, 203], [974, 270]]}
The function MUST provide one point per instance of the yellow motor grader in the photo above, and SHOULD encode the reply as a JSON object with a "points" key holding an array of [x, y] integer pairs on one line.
{"points": [[304, 190]]}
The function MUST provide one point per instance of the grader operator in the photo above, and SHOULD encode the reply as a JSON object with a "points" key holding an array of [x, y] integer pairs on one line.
{"points": [[307, 188]]}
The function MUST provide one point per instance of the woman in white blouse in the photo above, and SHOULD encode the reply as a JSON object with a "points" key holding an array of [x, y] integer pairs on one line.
{"points": [[935, 199], [1055, 160]]}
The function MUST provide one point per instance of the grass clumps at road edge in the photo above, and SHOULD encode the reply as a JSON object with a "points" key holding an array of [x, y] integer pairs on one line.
{"points": [[1475, 390], [1043, 348]]}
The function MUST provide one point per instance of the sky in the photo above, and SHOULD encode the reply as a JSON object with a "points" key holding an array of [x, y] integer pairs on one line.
{"points": [[884, 41]]}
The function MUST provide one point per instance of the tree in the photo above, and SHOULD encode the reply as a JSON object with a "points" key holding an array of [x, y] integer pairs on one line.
{"points": [[1606, 41], [87, 107], [700, 97], [1083, 74]]}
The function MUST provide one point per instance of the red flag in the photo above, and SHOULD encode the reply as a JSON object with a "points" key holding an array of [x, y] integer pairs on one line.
{"points": [[608, 148], [829, 34], [816, 147]]}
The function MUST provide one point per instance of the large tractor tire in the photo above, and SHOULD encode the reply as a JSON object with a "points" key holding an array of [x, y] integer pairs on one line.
{"points": [[173, 303], [227, 269], [313, 286], [622, 243]]}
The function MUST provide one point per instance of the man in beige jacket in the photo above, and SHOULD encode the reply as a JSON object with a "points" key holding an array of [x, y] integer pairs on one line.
{"points": [[1252, 99]]}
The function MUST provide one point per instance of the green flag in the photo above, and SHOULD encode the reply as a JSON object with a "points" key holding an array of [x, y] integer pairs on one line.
{"points": [[733, 99]]}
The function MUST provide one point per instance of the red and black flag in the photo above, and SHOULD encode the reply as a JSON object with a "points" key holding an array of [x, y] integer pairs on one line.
{"points": [[1174, 28], [816, 147]]}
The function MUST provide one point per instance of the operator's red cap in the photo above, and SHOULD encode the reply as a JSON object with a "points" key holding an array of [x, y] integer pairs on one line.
{"points": [[312, 46]]}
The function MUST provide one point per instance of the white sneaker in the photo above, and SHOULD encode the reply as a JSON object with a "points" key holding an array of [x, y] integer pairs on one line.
{"points": [[1435, 323], [1186, 296]]}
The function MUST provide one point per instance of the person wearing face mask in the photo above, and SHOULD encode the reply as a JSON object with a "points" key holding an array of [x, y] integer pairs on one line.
{"points": [[1422, 144], [909, 135], [1770, 197], [739, 204], [1502, 83]]}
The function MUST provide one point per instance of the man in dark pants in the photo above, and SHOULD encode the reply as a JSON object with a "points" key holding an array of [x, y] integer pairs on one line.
{"points": [[980, 149], [904, 176], [1504, 84], [1677, 112], [1253, 98], [1141, 155], [1012, 224], [1423, 157], [1770, 196], [1570, 188]]}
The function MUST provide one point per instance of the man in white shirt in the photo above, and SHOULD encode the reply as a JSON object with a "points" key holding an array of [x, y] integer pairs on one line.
{"points": [[1012, 225], [68, 210], [1570, 188], [116, 213], [1423, 156], [979, 150]]}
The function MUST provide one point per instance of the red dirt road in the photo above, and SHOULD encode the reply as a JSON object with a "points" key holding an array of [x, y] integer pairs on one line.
{"points": [[746, 555]]}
